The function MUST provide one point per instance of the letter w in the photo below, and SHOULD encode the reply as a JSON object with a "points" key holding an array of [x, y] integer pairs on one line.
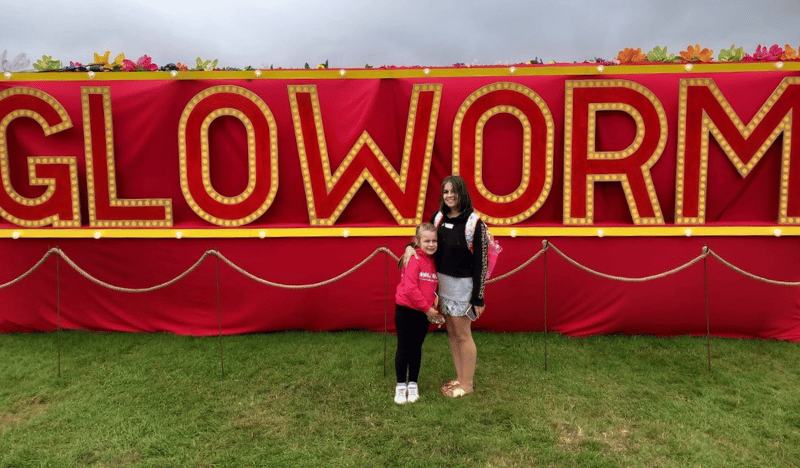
{"points": [[403, 192]]}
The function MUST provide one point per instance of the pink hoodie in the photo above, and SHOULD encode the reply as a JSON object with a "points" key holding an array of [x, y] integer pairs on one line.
{"points": [[418, 283]]}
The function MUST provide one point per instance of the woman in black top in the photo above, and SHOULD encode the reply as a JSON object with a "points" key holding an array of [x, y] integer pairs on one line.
{"points": [[461, 270]]}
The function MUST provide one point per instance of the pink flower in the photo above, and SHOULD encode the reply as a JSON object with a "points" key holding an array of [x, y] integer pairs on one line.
{"points": [[146, 63], [762, 54], [74, 64]]}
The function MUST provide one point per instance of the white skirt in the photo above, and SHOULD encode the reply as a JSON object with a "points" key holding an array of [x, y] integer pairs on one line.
{"points": [[454, 295]]}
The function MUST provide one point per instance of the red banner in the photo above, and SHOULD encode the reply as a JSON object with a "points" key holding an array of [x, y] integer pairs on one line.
{"points": [[545, 149], [564, 153]]}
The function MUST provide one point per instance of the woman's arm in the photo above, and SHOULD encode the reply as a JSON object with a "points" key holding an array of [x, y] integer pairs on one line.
{"points": [[480, 246]]}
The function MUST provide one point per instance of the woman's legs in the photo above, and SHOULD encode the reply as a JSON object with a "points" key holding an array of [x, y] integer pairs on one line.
{"points": [[462, 347]]}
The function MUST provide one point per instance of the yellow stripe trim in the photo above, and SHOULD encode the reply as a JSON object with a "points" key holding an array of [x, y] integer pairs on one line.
{"points": [[344, 231], [379, 73]]}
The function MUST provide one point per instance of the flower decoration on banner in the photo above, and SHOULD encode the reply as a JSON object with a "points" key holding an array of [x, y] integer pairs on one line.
{"points": [[731, 55], [105, 61], [630, 55], [695, 54], [47, 63], [19, 63], [205, 65], [75, 67], [660, 54], [763, 54], [144, 63], [789, 53]]}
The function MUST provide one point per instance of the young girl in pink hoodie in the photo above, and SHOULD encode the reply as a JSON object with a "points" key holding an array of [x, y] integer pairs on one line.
{"points": [[415, 310]]}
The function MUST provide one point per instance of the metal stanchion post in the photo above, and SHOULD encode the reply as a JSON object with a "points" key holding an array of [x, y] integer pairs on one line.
{"points": [[385, 305], [58, 310], [545, 303], [708, 320], [219, 314]]}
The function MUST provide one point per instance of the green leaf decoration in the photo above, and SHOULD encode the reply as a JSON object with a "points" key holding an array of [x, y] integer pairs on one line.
{"points": [[659, 54], [205, 65], [46, 63], [731, 55]]}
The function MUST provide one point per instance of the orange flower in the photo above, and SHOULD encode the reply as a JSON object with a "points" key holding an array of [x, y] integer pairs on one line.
{"points": [[629, 55], [789, 53], [694, 54]]}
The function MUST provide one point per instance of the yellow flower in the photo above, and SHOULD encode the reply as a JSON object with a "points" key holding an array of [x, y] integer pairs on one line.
{"points": [[629, 55], [102, 59], [789, 53], [105, 60], [695, 54]]}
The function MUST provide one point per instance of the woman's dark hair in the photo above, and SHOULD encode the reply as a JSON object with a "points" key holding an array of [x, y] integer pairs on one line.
{"points": [[460, 187]]}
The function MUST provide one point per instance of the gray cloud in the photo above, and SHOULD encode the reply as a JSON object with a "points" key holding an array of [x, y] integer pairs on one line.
{"points": [[415, 32]]}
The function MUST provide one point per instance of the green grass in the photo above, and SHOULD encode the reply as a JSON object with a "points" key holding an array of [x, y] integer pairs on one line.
{"points": [[300, 399]]}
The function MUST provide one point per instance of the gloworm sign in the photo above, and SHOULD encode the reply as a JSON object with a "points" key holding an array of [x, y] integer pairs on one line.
{"points": [[555, 147]]}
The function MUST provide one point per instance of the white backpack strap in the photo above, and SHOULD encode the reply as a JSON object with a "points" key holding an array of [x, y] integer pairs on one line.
{"points": [[469, 228], [438, 219]]}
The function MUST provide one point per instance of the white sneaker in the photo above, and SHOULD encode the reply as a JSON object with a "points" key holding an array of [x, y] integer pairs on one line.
{"points": [[413, 392], [400, 394]]}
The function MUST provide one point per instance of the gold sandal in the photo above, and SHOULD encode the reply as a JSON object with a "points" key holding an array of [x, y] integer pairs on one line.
{"points": [[449, 385], [456, 392]]}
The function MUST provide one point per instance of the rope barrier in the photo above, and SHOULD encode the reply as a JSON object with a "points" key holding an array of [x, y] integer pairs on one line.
{"points": [[31, 270], [750, 275], [303, 286], [91, 278], [545, 245], [519, 268], [626, 279]]}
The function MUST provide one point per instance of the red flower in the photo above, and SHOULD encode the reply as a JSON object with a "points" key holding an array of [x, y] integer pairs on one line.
{"points": [[128, 65]]}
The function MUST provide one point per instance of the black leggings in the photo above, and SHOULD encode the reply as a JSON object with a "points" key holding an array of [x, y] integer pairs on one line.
{"points": [[412, 326]]}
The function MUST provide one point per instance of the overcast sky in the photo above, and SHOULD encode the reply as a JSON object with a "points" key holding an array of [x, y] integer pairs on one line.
{"points": [[351, 33]]}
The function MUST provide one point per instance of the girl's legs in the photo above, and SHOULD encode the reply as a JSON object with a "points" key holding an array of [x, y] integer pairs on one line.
{"points": [[462, 346], [412, 327]]}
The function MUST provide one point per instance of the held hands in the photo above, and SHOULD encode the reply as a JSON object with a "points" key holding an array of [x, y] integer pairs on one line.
{"points": [[478, 311], [435, 317]]}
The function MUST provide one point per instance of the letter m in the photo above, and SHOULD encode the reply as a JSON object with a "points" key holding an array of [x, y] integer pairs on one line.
{"points": [[704, 111]]}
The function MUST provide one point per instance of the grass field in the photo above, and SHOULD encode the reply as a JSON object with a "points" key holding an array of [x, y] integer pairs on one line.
{"points": [[299, 399]]}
